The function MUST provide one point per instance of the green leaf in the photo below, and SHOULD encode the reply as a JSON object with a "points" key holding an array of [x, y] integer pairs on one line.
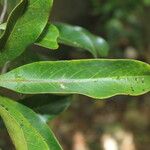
{"points": [[95, 78], [49, 105], [78, 37], [3, 26], [27, 29], [27, 130], [11, 20], [48, 38]]}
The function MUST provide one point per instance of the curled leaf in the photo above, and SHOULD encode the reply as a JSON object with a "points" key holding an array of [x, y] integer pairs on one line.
{"points": [[79, 37]]}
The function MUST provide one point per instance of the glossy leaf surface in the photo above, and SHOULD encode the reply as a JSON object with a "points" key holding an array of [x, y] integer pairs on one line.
{"points": [[27, 29], [95, 78], [27, 130], [79, 37], [48, 38]]}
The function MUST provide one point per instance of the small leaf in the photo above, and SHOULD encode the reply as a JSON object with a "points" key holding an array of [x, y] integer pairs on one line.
{"points": [[49, 105], [48, 38], [95, 78], [27, 29], [26, 129], [78, 37], [3, 26]]}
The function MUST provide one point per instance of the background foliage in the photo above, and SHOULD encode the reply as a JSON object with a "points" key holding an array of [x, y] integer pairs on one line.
{"points": [[125, 24]]}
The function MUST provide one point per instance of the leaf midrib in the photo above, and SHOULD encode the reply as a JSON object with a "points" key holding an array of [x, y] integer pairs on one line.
{"points": [[117, 78]]}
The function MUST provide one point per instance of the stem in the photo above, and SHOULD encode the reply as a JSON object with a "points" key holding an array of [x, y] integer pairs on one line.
{"points": [[2, 16], [5, 67], [4, 10]]}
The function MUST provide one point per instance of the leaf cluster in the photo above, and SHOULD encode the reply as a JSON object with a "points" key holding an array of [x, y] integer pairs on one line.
{"points": [[56, 81]]}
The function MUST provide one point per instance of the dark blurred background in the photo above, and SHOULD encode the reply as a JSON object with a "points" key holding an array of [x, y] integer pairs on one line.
{"points": [[118, 123]]}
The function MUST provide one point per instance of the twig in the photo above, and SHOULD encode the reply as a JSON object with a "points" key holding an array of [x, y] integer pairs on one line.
{"points": [[4, 10], [5, 67], [2, 16]]}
